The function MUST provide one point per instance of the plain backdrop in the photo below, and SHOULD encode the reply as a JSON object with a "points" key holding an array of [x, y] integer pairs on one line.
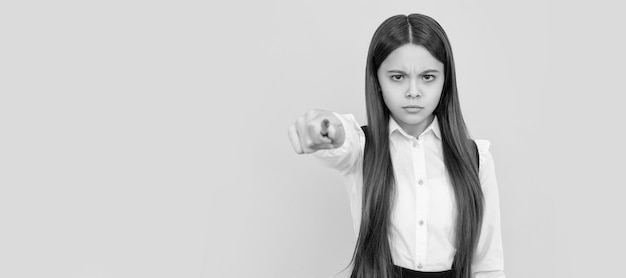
{"points": [[149, 138]]}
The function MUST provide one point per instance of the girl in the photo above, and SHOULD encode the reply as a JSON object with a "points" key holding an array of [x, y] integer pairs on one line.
{"points": [[424, 197]]}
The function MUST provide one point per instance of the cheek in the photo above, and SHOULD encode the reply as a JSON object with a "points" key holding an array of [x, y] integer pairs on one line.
{"points": [[435, 96], [387, 99], [435, 102], [436, 92], [391, 97], [386, 92]]}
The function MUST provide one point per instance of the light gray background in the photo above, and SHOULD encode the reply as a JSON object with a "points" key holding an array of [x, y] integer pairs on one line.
{"points": [[148, 138]]}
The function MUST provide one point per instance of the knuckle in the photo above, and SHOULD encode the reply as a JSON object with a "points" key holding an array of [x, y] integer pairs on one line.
{"points": [[309, 143], [300, 122], [313, 113]]}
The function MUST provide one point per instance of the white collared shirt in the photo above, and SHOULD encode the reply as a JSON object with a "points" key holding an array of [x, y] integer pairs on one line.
{"points": [[422, 226]]}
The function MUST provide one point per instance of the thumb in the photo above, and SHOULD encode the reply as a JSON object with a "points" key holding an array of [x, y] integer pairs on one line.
{"points": [[336, 134]]}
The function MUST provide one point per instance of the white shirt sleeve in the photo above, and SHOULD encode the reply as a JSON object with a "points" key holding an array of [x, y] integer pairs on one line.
{"points": [[488, 259], [345, 157]]}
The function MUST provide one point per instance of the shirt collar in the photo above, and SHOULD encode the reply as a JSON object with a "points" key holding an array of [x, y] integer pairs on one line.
{"points": [[434, 127]]}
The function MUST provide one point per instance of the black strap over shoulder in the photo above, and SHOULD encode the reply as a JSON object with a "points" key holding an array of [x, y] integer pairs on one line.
{"points": [[366, 130]]}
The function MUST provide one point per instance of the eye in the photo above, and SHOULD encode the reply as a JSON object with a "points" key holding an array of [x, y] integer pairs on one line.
{"points": [[397, 77], [428, 77]]}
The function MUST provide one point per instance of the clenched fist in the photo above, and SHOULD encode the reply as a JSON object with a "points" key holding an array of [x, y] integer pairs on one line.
{"points": [[316, 130]]}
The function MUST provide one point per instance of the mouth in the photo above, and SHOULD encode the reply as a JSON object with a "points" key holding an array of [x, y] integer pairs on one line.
{"points": [[412, 108]]}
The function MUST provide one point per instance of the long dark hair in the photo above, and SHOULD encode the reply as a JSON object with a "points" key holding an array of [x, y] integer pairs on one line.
{"points": [[372, 255]]}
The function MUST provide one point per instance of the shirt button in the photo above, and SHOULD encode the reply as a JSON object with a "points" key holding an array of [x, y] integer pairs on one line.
{"points": [[421, 222], [419, 266], [414, 144], [420, 182]]}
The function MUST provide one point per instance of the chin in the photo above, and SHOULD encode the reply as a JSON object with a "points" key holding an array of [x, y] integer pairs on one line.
{"points": [[413, 119]]}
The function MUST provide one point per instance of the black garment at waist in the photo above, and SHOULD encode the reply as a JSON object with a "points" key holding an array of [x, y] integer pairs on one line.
{"points": [[408, 273]]}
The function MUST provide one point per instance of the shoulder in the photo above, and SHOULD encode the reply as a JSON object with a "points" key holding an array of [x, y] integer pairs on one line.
{"points": [[483, 151], [352, 126], [487, 169]]}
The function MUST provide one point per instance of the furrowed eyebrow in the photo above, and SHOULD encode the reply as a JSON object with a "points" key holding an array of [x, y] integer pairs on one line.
{"points": [[423, 72], [429, 71]]}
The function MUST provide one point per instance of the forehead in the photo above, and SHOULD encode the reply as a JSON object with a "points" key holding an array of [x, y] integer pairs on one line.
{"points": [[411, 57]]}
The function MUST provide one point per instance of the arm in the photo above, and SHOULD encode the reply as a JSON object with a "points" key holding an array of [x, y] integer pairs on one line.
{"points": [[488, 258]]}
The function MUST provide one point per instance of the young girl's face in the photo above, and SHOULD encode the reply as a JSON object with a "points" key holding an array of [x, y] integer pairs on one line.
{"points": [[411, 80]]}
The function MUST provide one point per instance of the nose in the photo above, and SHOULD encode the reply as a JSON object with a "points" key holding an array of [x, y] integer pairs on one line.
{"points": [[413, 90]]}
